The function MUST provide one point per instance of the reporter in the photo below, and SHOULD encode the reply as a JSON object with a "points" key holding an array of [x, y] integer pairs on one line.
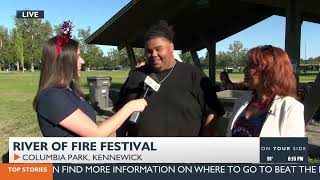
{"points": [[59, 103]]}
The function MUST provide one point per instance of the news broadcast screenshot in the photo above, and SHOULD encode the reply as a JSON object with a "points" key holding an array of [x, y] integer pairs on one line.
{"points": [[159, 89]]}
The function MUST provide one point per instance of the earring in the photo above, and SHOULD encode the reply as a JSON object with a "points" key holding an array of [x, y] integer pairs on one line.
{"points": [[265, 84]]}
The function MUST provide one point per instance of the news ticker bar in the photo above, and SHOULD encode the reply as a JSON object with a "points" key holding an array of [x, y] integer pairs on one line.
{"points": [[159, 171], [158, 150]]}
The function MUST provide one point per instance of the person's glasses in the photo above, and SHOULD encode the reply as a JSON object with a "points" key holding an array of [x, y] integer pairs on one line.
{"points": [[268, 48]]}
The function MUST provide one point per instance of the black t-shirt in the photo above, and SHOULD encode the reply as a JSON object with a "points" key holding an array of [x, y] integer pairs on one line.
{"points": [[54, 105], [180, 106]]}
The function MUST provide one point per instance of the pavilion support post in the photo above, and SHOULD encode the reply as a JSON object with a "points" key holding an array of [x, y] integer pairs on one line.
{"points": [[195, 59], [131, 56], [211, 47], [293, 34]]}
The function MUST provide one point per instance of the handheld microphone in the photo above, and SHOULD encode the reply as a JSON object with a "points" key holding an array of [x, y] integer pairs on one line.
{"points": [[150, 83]]}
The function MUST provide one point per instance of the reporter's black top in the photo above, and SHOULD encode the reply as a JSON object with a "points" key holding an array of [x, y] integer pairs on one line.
{"points": [[54, 105]]}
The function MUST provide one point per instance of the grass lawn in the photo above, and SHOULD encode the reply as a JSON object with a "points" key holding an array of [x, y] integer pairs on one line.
{"points": [[18, 89]]}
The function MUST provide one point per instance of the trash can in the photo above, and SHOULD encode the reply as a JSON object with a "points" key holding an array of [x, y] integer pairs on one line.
{"points": [[227, 99], [99, 91]]}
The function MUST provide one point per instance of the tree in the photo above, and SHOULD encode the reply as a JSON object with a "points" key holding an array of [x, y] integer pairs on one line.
{"points": [[94, 57], [238, 54], [139, 52], [205, 61], [92, 54], [118, 57], [84, 47], [34, 33], [56, 30], [19, 50], [4, 47], [83, 34], [41, 38], [223, 60], [186, 57], [235, 57]]}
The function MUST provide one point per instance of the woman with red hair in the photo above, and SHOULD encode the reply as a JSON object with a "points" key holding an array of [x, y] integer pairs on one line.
{"points": [[271, 110]]}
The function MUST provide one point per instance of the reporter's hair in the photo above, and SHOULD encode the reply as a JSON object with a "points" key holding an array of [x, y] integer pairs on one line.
{"points": [[274, 66], [161, 29], [61, 71]]}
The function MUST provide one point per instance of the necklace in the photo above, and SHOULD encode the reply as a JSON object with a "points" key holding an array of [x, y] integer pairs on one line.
{"points": [[263, 104], [167, 75]]}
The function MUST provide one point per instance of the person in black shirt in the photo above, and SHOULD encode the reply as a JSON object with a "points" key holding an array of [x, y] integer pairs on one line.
{"points": [[226, 83], [186, 101], [59, 103]]}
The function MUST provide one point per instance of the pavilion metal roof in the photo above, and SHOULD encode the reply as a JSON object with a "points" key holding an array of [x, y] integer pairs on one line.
{"points": [[194, 21]]}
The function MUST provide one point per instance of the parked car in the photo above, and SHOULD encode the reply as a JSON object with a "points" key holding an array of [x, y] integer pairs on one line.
{"points": [[228, 69]]}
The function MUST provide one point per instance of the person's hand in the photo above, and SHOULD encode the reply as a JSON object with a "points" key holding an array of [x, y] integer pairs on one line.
{"points": [[243, 86], [137, 105]]}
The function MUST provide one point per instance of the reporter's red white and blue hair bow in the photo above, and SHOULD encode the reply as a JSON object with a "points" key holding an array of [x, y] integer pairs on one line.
{"points": [[65, 36]]}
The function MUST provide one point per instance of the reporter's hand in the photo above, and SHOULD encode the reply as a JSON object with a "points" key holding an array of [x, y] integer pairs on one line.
{"points": [[137, 105]]}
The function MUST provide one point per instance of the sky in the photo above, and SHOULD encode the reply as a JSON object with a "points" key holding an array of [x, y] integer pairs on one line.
{"points": [[95, 13]]}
